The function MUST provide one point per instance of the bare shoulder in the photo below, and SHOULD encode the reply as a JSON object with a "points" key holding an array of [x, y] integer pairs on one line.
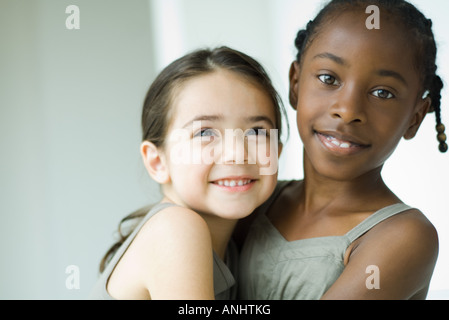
{"points": [[170, 258], [408, 237], [172, 237], [175, 225], [403, 249], [410, 228]]}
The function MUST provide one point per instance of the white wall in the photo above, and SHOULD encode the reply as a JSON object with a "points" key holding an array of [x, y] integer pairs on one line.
{"points": [[70, 127], [70, 105]]}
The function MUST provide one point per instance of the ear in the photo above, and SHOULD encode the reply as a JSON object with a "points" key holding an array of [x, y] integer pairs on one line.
{"points": [[421, 111], [294, 84], [155, 162]]}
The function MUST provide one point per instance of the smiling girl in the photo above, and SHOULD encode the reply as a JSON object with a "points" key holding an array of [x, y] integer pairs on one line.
{"points": [[357, 93], [180, 247]]}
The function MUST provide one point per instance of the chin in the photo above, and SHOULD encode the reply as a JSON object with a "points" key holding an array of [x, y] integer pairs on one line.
{"points": [[234, 212], [342, 172]]}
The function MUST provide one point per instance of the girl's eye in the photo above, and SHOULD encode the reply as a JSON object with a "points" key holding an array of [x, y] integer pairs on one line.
{"points": [[383, 94], [329, 80], [257, 132], [205, 133]]}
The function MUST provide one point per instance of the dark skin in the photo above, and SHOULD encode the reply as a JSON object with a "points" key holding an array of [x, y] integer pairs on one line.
{"points": [[355, 101]]}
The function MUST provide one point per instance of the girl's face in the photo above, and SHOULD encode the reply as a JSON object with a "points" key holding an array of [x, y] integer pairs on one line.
{"points": [[357, 93], [218, 153]]}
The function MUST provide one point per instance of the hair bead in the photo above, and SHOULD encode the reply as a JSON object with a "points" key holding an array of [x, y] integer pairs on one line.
{"points": [[443, 147], [442, 138], [441, 128]]}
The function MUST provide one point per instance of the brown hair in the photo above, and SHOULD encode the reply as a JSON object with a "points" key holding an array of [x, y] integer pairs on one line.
{"points": [[158, 100], [156, 107]]}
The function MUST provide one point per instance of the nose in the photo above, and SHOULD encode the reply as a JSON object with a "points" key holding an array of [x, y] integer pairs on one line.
{"points": [[235, 149], [349, 105]]}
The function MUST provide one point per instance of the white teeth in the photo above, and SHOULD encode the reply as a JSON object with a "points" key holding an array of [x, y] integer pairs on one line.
{"points": [[233, 183], [335, 142], [338, 143]]}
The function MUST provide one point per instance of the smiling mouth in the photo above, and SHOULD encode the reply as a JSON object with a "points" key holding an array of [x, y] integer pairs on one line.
{"points": [[340, 145], [235, 184]]}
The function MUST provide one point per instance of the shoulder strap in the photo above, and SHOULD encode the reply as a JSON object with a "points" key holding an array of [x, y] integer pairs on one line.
{"points": [[155, 209], [121, 250], [375, 219]]}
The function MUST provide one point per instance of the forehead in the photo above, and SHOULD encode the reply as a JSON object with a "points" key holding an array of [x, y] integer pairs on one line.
{"points": [[221, 92], [347, 33]]}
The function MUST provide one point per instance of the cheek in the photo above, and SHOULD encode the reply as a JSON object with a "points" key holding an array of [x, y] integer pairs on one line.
{"points": [[389, 125], [306, 115], [310, 98], [189, 182], [388, 135], [185, 166], [189, 174], [264, 152]]}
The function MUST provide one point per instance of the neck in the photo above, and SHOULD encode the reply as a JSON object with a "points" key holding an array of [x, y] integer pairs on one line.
{"points": [[320, 192]]}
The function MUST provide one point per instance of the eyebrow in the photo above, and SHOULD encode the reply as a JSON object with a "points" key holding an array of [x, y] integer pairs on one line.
{"points": [[392, 74], [261, 119], [327, 55], [203, 118], [343, 62], [213, 118]]}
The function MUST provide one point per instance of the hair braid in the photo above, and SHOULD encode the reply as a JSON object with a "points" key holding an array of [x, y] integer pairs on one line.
{"points": [[435, 96], [435, 86]]}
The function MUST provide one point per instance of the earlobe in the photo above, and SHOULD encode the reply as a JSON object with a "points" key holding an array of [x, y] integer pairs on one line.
{"points": [[417, 119], [294, 84], [155, 162]]}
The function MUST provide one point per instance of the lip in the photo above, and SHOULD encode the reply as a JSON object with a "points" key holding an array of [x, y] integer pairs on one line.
{"points": [[234, 183], [340, 143]]}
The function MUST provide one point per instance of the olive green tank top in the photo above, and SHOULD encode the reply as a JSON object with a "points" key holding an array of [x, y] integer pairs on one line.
{"points": [[224, 273], [272, 268]]}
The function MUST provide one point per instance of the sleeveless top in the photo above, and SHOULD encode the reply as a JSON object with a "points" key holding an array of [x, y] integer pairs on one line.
{"points": [[224, 281], [272, 268]]}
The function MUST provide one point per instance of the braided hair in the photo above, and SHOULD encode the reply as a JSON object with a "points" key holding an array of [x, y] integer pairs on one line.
{"points": [[415, 22]]}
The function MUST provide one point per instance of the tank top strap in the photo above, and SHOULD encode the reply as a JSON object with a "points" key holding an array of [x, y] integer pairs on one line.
{"points": [[375, 219], [155, 209], [151, 212]]}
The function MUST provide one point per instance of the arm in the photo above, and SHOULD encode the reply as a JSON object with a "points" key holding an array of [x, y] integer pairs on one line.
{"points": [[177, 258], [404, 251]]}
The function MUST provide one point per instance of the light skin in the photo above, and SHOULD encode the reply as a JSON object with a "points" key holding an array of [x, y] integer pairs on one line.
{"points": [[171, 257], [355, 101]]}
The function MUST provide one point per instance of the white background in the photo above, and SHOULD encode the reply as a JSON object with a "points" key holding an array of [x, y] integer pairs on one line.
{"points": [[70, 103]]}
